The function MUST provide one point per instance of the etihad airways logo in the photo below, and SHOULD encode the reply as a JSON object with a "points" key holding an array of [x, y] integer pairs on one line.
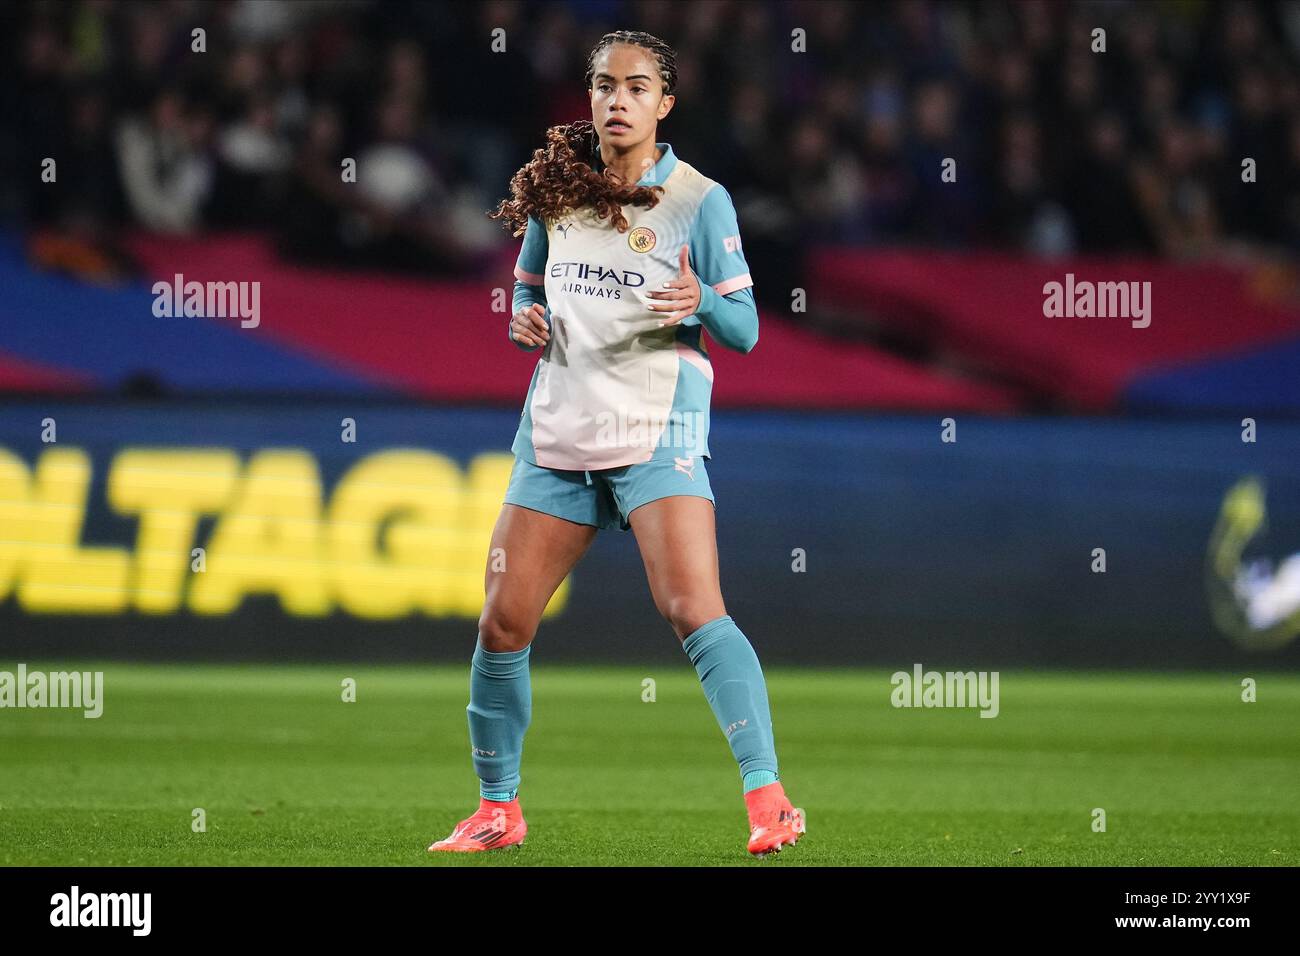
{"points": [[596, 273]]}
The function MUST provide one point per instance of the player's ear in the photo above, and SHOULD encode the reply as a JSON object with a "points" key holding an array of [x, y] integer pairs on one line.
{"points": [[666, 105]]}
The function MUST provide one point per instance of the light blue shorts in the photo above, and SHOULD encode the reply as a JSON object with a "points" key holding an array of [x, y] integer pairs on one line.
{"points": [[605, 498]]}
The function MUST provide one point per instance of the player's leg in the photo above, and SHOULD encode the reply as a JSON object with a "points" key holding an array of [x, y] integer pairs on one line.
{"points": [[529, 555], [678, 543]]}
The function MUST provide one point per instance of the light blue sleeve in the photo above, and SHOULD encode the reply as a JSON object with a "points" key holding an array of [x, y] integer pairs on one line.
{"points": [[718, 262], [525, 295], [530, 270], [530, 267]]}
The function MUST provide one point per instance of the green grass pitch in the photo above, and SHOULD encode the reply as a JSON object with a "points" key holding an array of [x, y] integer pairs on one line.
{"points": [[289, 774]]}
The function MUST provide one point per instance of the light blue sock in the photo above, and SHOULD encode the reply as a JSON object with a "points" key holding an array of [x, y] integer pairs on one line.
{"points": [[733, 684], [500, 710]]}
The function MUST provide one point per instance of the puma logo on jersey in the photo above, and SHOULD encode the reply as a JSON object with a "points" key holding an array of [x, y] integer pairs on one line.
{"points": [[686, 466], [563, 228]]}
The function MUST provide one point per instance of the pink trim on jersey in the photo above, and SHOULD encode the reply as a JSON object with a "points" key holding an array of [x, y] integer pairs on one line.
{"points": [[532, 278], [594, 461], [688, 354], [732, 285]]}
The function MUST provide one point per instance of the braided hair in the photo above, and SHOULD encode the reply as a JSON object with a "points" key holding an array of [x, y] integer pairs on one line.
{"points": [[562, 175], [661, 51]]}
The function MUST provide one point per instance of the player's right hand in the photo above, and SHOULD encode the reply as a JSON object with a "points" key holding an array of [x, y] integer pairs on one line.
{"points": [[528, 325]]}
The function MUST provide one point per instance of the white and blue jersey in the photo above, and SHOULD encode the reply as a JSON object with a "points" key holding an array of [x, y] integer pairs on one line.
{"points": [[612, 388]]}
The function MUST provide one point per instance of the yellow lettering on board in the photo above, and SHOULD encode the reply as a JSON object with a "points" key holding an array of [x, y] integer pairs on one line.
{"points": [[268, 540], [57, 574], [169, 488]]}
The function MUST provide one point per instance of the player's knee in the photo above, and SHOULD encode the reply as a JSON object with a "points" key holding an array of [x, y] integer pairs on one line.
{"points": [[688, 613], [501, 631]]}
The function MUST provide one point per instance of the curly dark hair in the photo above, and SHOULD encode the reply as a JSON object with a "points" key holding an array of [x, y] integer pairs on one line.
{"points": [[561, 176]]}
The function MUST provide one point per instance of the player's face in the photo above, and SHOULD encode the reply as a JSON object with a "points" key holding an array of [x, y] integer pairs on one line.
{"points": [[626, 94]]}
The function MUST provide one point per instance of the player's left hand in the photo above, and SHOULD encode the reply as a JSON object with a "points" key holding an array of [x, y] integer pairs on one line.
{"points": [[679, 297]]}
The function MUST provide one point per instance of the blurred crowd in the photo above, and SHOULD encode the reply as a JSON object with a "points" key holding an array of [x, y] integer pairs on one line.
{"points": [[1059, 147]]}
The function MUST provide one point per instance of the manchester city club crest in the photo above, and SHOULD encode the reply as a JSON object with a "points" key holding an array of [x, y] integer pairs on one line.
{"points": [[641, 239]]}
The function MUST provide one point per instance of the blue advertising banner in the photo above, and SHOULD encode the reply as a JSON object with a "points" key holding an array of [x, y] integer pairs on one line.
{"points": [[354, 530]]}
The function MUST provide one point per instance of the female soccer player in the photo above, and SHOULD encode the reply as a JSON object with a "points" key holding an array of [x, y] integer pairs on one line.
{"points": [[628, 252]]}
